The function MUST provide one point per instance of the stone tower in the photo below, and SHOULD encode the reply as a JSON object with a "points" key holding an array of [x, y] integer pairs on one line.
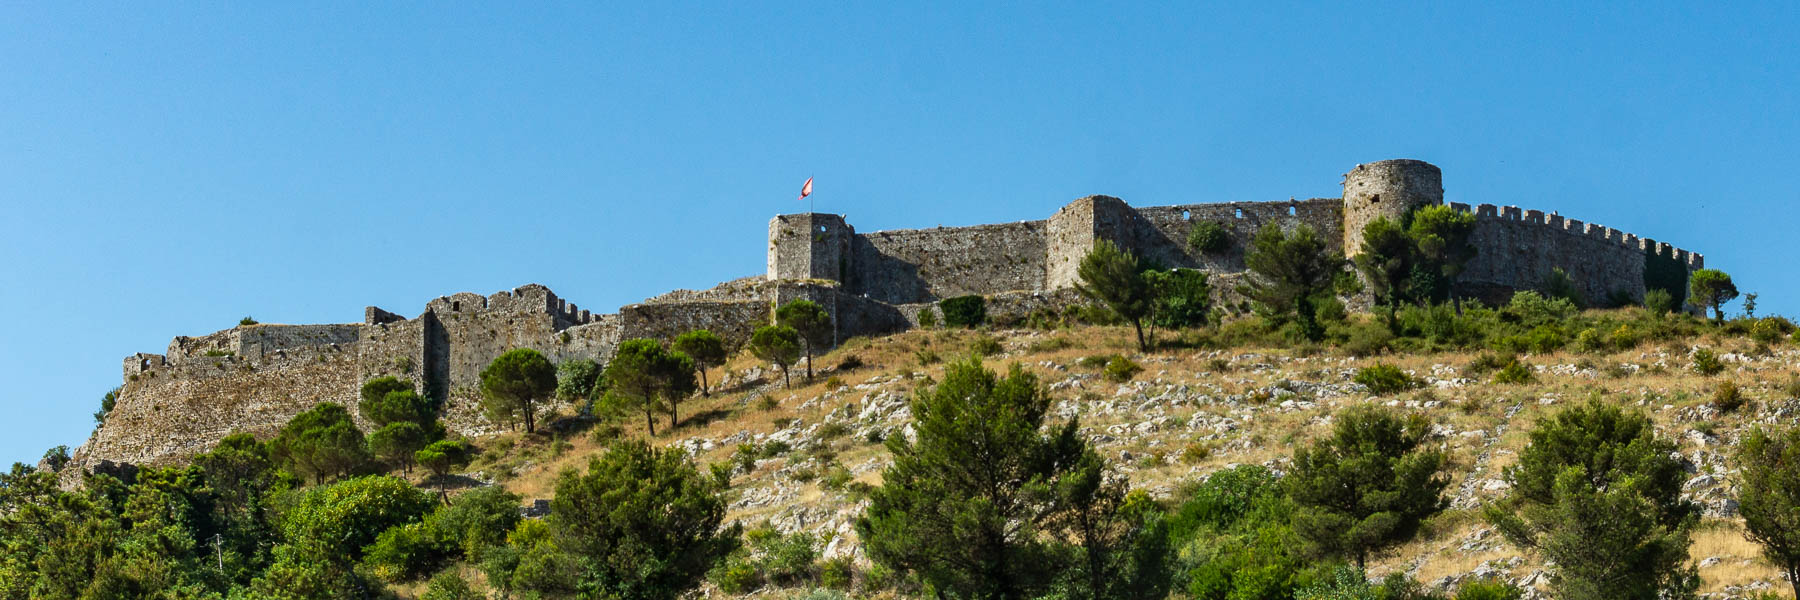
{"points": [[809, 246], [1386, 189]]}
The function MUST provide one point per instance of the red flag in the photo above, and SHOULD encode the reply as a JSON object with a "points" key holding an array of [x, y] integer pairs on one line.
{"points": [[806, 190]]}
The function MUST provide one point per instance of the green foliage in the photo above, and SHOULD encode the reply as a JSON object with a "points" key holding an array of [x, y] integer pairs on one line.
{"points": [[106, 405], [1233, 538], [1113, 277], [1513, 372], [928, 318], [396, 442], [477, 521], [513, 385], [1711, 288], [812, 323], [1659, 301], [1727, 398], [443, 456], [767, 556], [989, 505], [1488, 589], [246, 321], [1121, 369], [1291, 274], [1208, 237], [342, 518], [1531, 309], [321, 444], [707, 350], [1707, 363], [1179, 298], [985, 346], [1368, 486], [1417, 259], [1385, 379], [641, 523], [1558, 285], [450, 586], [1769, 497], [1597, 493], [577, 379], [964, 311], [649, 377], [778, 344]]}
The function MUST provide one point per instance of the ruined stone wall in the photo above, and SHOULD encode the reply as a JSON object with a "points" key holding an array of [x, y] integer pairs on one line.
{"points": [[1072, 231], [915, 265], [1162, 232], [1516, 249], [176, 410], [731, 320]]}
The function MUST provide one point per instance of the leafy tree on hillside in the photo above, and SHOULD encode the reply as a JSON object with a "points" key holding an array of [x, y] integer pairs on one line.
{"points": [[1291, 275], [985, 504], [396, 442], [1113, 277], [443, 456], [1367, 487], [778, 344], [1416, 259], [1769, 496], [648, 375], [1597, 493], [811, 322], [1440, 234], [321, 444], [1180, 298], [705, 348], [515, 382], [1387, 262], [1711, 289], [641, 524], [106, 405], [576, 379]]}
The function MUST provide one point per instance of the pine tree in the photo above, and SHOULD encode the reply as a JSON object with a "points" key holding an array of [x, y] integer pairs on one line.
{"points": [[1113, 277], [1769, 497], [1368, 486]]}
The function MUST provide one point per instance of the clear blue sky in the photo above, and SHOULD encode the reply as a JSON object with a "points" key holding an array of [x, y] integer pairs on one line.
{"points": [[165, 170]]}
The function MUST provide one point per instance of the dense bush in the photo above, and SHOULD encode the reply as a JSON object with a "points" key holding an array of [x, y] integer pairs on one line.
{"points": [[1727, 398], [1208, 237], [1707, 363], [1385, 379], [1121, 369], [964, 311]]}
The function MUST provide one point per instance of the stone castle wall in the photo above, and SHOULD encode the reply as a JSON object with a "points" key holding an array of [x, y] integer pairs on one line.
{"points": [[254, 378], [1517, 249]]}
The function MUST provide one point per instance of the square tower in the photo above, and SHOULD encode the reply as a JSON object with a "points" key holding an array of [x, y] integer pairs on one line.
{"points": [[809, 246]]}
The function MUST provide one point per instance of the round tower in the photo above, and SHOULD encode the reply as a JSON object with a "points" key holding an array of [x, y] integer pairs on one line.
{"points": [[1389, 189]]}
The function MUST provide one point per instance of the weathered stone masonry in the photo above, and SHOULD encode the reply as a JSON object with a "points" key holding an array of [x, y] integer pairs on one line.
{"points": [[254, 378]]}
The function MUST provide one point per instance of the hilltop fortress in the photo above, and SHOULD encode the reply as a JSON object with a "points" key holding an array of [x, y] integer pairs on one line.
{"points": [[254, 378]]}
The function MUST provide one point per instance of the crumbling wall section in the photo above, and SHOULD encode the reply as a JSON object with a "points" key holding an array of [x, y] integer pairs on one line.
{"points": [[1162, 232], [914, 265]]}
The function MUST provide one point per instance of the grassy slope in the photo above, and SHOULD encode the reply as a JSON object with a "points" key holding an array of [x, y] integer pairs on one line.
{"points": [[1191, 412]]}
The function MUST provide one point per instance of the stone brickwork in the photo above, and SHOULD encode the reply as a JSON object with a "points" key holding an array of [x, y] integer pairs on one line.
{"points": [[254, 378]]}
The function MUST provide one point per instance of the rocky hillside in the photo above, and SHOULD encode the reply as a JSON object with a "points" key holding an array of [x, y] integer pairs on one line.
{"points": [[804, 455]]}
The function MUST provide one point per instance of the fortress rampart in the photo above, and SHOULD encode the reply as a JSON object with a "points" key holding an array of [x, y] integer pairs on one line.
{"points": [[254, 378]]}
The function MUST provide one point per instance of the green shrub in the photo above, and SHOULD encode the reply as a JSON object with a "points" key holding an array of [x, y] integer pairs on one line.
{"points": [[1767, 331], [246, 321], [1514, 372], [773, 448], [832, 431], [1707, 363], [1367, 339], [834, 382], [768, 403], [736, 575], [1532, 309], [1121, 369], [1659, 301], [1385, 379], [1727, 398], [837, 573], [1624, 338], [926, 356], [1097, 361], [1051, 345], [1489, 589], [449, 586], [964, 311], [928, 318], [1208, 237], [1589, 340], [986, 345]]}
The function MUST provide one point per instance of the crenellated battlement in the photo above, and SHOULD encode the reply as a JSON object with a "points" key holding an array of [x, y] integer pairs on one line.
{"points": [[1578, 228]]}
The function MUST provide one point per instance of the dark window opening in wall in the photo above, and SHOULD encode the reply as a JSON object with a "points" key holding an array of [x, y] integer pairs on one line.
{"points": [[1240, 213], [1375, 199], [146, 364], [1185, 216], [821, 229], [1293, 210], [455, 306]]}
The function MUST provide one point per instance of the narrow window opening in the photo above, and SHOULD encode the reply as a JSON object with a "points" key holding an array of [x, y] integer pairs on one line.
{"points": [[455, 306], [1240, 213], [1186, 216], [1293, 210], [1375, 199]]}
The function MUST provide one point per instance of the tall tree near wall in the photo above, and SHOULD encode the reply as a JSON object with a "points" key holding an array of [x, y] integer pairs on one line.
{"points": [[705, 348], [516, 382], [1113, 277], [812, 323], [778, 344], [1711, 289], [648, 376], [1291, 274], [321, 444]]}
